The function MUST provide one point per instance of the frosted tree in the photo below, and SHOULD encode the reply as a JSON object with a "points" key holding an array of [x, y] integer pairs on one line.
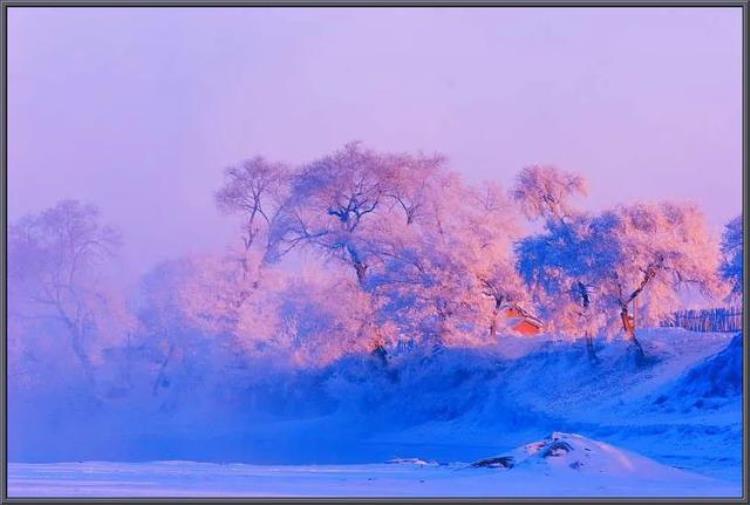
{"points": [[560, 263], [545, 192], [55, 264], [164, 323], [486, 227], [659, 248], [254, 190], [428, 293], [208, 300], [563, 266], [331, 206], [447, 274], [332, 211], [315, 328], [432, 254], [355, 207], [413, 182], [731, 267], [193, 320]]}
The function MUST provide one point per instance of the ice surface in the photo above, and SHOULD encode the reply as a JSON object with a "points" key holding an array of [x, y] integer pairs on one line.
{"points": [[561, 465]]}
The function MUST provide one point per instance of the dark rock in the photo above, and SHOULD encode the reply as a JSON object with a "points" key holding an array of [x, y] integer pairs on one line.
{"points": [[556, 448], [498, 462]]}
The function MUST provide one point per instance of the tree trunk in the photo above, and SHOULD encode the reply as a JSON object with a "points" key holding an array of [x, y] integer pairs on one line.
{"points": [[76, 345], [377, 342], [590, 351], [443, 329], [83, 359], [361, 271], [162, 368], [628, 324], [359, 267], [380, 354], [495, 315], [585, 302]]}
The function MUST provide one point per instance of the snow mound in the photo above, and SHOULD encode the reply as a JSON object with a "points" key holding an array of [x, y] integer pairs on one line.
{"points": [[719, 375], [711, 384], [569, 452]]}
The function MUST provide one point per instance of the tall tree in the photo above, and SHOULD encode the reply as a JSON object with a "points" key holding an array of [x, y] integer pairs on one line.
{"points": [[732, 252], [447, 274], [545, 191], [353, 206], [660, 247], [55, 262], [333, 206], [559, 263], [254, 190], [563, 266]]}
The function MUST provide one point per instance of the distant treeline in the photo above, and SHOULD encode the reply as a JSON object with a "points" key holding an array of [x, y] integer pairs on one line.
{"points": [[716, 319]]}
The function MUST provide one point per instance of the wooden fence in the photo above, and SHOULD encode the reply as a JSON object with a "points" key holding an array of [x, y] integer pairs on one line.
{"points": [[719, 319]]}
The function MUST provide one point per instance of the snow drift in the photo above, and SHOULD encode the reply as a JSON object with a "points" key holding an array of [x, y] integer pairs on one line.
{"points": [[564, 452], [717, 376]]}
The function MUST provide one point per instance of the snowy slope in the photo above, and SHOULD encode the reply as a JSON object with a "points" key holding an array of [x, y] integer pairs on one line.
{"points": [[719, 376], [550, 386]]}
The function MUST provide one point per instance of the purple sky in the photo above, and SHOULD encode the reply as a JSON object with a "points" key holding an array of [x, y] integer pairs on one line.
{"points": [[139, 110]]}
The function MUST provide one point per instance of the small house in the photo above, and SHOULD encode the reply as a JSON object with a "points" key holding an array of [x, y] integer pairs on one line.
{"points": [[523, 322]]}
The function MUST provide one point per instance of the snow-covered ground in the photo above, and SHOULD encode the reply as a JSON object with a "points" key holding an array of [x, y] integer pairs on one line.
{"points": [[671, 428], [560, 465]]}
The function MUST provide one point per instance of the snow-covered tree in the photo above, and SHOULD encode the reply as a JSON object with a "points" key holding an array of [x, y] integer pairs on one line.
{"points": [[582, 267], [316, 328], [166, 332], [731, 267], [563, 268], [545, 191], [356, 206], [193, 322], [559, 264], [486, 227], [254, 190], [447, 274], [658, 247], [433, 253], [413, 182], [55, 264], [332, 206]]}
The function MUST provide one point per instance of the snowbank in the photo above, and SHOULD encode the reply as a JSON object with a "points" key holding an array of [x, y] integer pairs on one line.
{"points": [[566, 452]]}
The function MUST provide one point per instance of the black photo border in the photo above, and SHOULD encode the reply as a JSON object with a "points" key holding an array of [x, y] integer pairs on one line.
{"points": [[5, 5]]}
